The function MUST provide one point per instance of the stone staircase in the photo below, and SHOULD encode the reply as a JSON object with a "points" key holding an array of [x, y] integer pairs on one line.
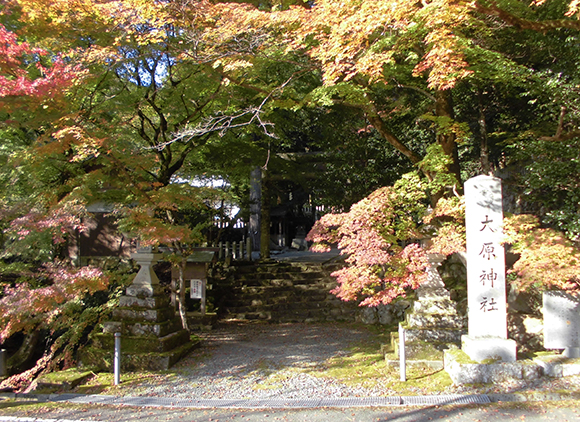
{"points": [[283, 292]]}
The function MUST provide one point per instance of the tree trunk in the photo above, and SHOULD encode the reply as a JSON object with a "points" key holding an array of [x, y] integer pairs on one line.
{"points": [[25, 355], [444, 108], [381, 128], [181, 296], [483, 145]]}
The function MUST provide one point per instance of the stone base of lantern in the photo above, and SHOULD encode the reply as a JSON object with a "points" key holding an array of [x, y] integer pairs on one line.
{"points": [[431, 325], [151, 334], [152, 337]]}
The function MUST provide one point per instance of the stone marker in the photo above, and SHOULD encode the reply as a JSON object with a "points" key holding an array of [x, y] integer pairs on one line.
{"points": [[486, 291], [562, 322]]}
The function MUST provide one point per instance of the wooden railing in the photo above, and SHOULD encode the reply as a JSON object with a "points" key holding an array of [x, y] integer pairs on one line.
{"points": [[235, 250]]}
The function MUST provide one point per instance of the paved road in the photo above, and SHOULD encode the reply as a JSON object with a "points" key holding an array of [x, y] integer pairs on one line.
{"points": [[567, 411]]}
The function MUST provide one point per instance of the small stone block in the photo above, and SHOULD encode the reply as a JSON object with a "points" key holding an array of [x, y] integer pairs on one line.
{"points": [[558, 366], [63, 380], [112, 327], [485, 348]]}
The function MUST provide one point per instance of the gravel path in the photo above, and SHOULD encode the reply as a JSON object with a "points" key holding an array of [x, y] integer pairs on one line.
{"points": [[255, 361], [240, 361]]}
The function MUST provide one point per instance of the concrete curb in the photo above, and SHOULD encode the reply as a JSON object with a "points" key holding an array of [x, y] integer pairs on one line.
{"points": [[282, 403], [266, 403]]}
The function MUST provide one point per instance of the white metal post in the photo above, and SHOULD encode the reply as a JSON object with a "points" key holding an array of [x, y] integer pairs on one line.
{"points": [[117, 359], [402, 357]]}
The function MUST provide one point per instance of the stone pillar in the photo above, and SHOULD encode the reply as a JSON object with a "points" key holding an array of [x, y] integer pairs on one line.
{"points": [[255, 201], [486, 289]]}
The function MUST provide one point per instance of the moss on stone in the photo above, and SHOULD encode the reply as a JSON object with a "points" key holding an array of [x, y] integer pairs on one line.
{"points": [[62, 380], [460, 356]]}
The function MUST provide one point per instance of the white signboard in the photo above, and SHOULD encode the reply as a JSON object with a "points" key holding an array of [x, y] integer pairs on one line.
{"points": [[196, 289]]}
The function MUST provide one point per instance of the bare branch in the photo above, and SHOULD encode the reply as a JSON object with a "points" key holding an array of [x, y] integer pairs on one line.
{"points": [[222, 123], [542, 26], [563, 137]]}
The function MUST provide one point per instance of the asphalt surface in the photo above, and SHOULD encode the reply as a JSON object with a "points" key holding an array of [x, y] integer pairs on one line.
{"points": [[29, 411]]}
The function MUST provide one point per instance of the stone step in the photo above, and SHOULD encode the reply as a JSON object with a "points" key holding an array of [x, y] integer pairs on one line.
{"points": [[266, 268], [273, 291], [270, 291], [302, 315], [279, 304], [294, 295], [285, 306], [284, 292], [283, 282], [280, 280], [283, 274]]}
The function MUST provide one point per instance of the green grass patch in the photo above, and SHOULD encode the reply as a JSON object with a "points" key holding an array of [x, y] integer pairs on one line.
{"points": [[364, 365], [104, 382]]}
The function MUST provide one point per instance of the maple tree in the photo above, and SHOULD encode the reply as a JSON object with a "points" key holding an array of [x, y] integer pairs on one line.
{"points": [[548, 260], [428, 59], [175, 90], [381, 235], [25, 81], [379, 269]]}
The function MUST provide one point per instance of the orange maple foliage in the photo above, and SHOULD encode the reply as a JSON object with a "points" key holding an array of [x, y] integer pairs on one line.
{"points": [[547, 259], [351, 38]]}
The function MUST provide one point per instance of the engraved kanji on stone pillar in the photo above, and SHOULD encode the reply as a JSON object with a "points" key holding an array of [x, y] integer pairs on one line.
{"points": [[486, 288]]}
